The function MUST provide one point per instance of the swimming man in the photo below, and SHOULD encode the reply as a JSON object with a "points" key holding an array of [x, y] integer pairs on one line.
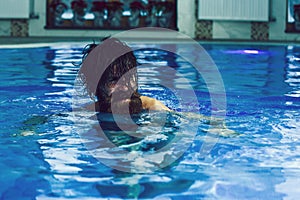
{"points": [[109, 72]]}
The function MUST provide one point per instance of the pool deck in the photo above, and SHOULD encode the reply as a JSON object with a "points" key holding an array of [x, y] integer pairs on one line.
{"points": [[36, 40], [30, 40]]}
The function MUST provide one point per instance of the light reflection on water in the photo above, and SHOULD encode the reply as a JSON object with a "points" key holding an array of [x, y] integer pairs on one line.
{"points": [[52, 160]]}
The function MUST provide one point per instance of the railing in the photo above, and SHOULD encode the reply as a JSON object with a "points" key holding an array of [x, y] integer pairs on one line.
{"points": [[239, 10]]}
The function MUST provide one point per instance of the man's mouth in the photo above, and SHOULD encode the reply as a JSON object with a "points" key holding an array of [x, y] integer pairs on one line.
{"points": [[117, 89]]}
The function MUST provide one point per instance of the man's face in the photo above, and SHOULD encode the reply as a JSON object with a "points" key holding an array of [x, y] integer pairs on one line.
{"points": [[121, 93], [115, 87], [119, 86]]}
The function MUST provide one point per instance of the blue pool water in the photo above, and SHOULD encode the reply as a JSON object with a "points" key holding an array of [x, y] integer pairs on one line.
{"points": [[43, 156]]}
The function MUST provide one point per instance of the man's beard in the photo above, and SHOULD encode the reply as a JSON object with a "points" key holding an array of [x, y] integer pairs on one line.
{"points": [[119, 103]]}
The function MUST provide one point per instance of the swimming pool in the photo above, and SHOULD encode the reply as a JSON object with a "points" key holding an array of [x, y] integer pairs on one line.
{"points": [[42, 156]]}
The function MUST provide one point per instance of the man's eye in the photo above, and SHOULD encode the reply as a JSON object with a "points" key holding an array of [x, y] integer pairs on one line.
{"points": [[114, 79]]}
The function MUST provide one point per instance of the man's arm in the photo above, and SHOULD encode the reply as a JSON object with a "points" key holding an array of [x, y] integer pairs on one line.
{"points": [[149, 103]]}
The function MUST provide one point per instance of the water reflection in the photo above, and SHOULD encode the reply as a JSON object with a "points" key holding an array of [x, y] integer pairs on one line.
{"points": [[293, 71], [289, 126], [263, 106]]}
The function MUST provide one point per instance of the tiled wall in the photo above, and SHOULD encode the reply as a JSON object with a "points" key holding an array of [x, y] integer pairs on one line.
{"points": [[207, 29], [260, 31], [187, 24], [204, 29], [19, 28], [255, 31], [4, 28], [231, 30], [14, 28]]}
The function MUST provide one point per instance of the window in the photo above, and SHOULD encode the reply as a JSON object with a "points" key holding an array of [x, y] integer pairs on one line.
{"points": [[111, 14], [293, 16]]}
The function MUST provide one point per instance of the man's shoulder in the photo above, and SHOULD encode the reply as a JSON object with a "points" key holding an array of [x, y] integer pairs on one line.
{"points": [[153, 104]]}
